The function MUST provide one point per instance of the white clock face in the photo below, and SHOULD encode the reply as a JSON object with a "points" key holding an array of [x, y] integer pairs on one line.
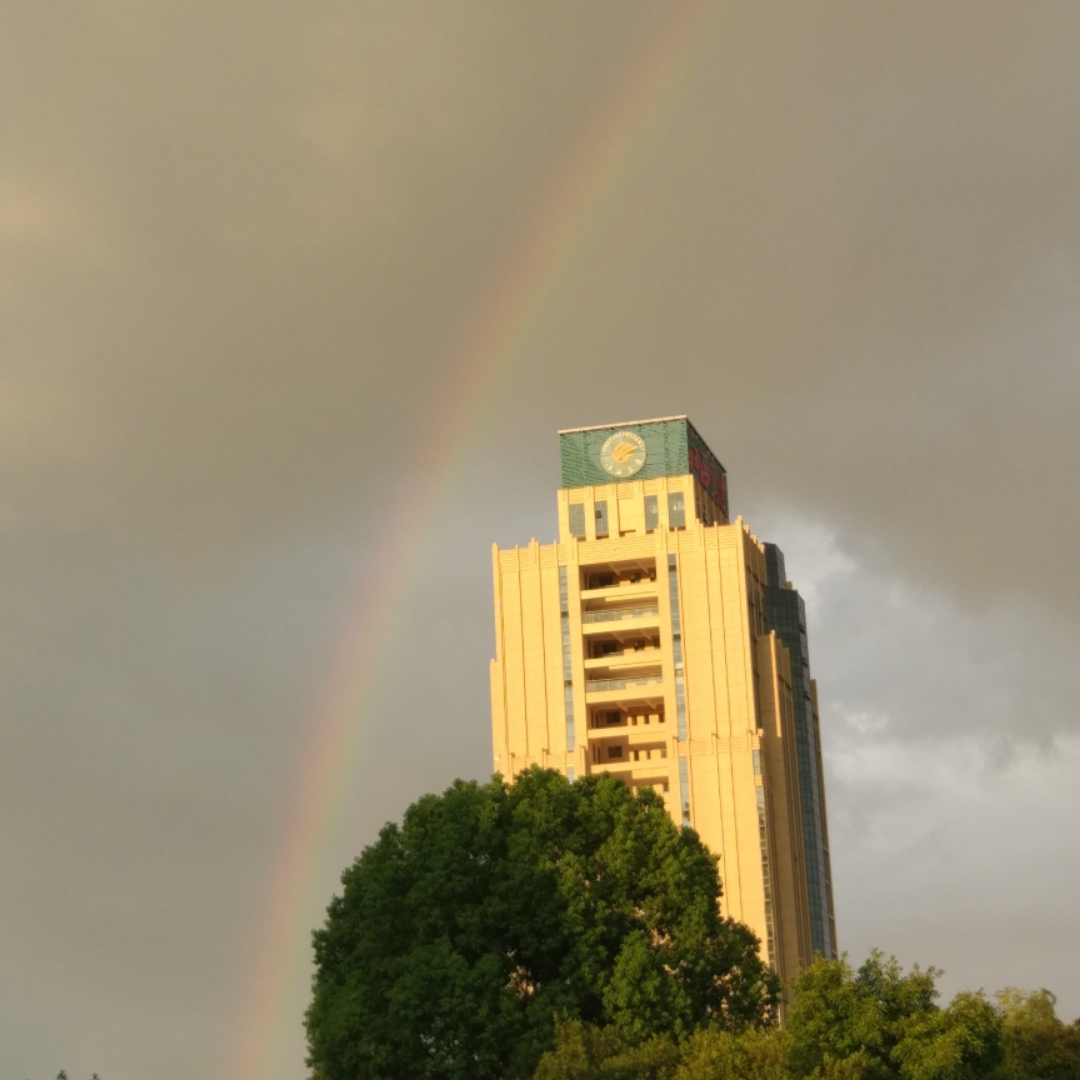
{"points": [[623, 454]]}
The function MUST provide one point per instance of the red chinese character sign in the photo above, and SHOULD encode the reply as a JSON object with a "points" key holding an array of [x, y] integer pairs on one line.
{"points": [[710, 474]]}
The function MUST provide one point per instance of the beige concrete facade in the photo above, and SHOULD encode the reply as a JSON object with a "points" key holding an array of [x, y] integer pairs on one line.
{"points": [[644, 653]]}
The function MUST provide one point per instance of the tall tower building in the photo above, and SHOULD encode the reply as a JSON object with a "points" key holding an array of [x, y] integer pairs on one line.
{"points": [[661, 643]]}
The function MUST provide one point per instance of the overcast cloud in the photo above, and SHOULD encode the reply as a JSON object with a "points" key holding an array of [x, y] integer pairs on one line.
{"points": [[238, 245]]}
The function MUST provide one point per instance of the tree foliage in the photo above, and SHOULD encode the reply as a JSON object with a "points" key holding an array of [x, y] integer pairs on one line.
{"points": [[1037, 1045], [892, 1020], [462, 934], [572, 932], [585, 1052], [871, 1024], [753, 1054]]}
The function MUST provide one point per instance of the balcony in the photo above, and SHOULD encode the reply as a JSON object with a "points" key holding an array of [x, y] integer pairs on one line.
{"points": [[632, 688], [625, 590], [642, 761], [636, 749], [626, 659], [633, 730], [636, 772], [654, 752], [628, 618], [621, 684]]}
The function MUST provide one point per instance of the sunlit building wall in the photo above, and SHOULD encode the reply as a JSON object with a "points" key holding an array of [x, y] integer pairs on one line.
{"points": [[660, 643]]}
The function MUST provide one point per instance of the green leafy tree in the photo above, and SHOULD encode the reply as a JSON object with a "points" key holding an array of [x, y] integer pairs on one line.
{"points": [[463, 933], [847, 1025], [585, 1052], [753, 1054], [882, 1023], [960, 1042], [1037, 1045]]}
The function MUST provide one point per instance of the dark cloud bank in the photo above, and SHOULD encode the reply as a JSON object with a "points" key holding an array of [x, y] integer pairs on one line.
{"points": [[237, 245]]}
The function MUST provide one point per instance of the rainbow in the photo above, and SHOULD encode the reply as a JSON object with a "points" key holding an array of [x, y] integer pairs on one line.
{"points": [[503, 326]]}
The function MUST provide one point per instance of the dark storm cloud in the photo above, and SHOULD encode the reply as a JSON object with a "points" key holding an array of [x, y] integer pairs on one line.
{"points": [[239, 245], [877, 316], [239, 239]]}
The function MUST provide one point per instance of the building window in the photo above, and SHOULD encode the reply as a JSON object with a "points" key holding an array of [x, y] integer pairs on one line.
{"points": [[577, 520], [676, 647], [570, 773], [680, 704], [614, 752], [568, 685], [652, 513], [601, 518], [763, 833], [676, 509], [684, 790]]}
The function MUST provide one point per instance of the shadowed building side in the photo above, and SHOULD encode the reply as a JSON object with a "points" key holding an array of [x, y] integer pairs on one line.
{"points": [[646, 643], [786, 614]]}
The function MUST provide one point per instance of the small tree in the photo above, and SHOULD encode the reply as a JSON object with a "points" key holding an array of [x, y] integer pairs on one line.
{"points": [[462, 934], [878, 1022], [1037, 1045], [584, 1052], [753, 1054]]}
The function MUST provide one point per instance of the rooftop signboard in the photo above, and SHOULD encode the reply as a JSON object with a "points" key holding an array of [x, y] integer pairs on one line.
{"points": [[640, 450]]}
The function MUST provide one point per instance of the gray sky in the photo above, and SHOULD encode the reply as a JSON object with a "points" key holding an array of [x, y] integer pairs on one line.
{"points": [[239, 248]]}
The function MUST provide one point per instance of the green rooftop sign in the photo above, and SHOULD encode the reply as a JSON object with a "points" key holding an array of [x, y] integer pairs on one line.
{"points": [[641, 450]]}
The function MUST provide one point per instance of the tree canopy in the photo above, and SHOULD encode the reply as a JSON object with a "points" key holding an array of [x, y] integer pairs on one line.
{"points": [[1036, 1044], [560, 931], [874, 1023], [492, 910], [889, 1024]]}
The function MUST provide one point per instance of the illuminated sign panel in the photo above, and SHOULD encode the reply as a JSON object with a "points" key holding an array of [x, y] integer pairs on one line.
{"points": [[709, 472]]}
